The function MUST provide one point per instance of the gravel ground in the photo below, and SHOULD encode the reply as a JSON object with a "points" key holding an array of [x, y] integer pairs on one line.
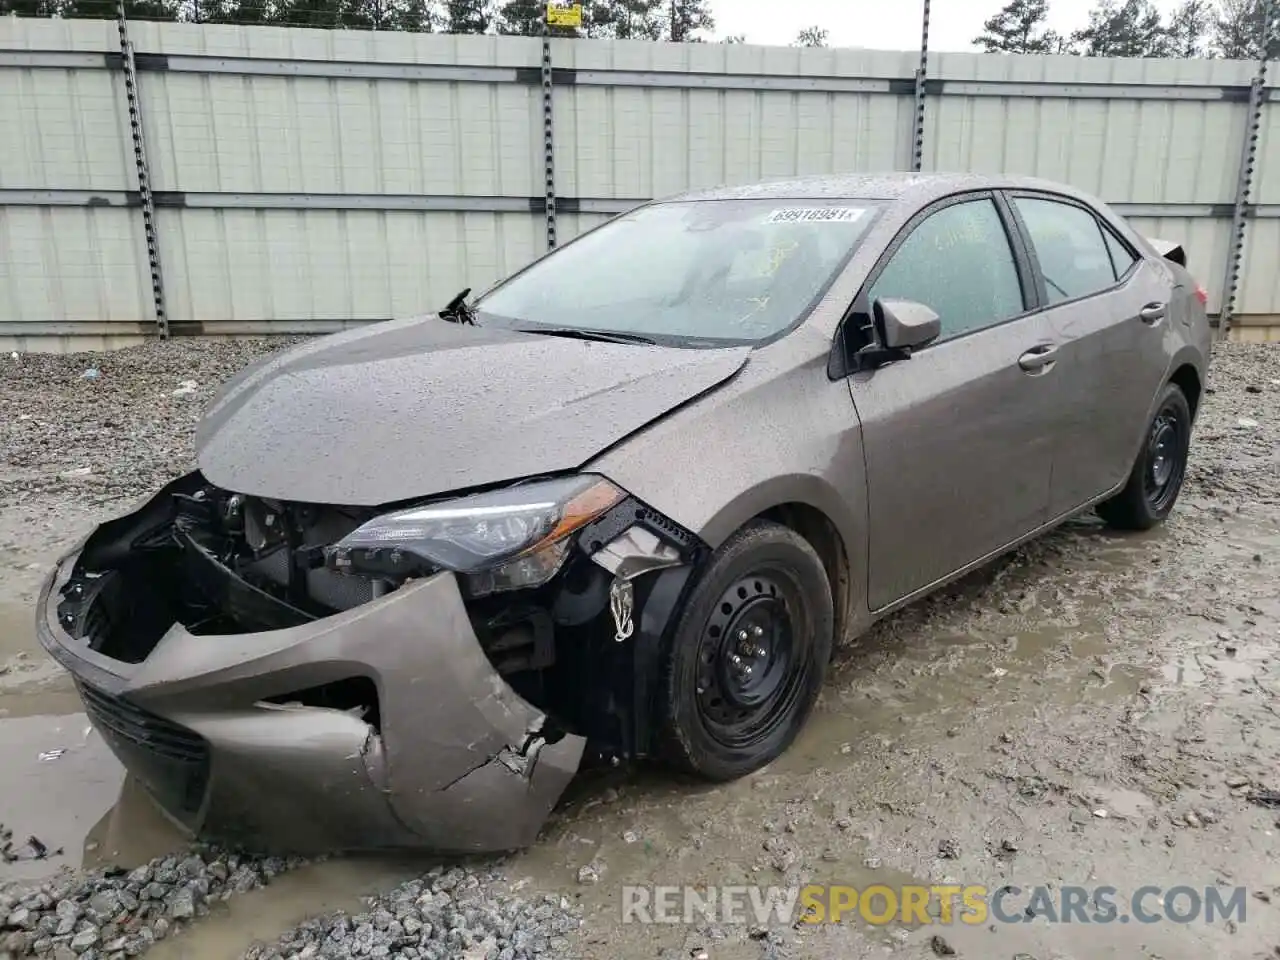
{"points": [[444, 914], [127, 429], [109, 425], [116, 913], [974, 735]]}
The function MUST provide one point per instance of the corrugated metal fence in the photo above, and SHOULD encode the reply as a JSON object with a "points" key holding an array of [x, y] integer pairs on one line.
{"points": [[303, 180]]}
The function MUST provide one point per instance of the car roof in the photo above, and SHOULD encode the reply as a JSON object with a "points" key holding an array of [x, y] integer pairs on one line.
{"points": [[916, 188]]}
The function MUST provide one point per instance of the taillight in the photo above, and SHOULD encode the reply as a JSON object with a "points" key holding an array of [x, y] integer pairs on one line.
{"points": [[1202, 295]]}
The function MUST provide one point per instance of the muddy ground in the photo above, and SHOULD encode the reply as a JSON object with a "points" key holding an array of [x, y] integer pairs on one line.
{"points": [[1094, 710]]}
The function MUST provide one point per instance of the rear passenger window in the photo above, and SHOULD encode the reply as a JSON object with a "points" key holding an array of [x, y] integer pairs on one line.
{"points": [[1073, 255], [958, 262], [1121, 258]]}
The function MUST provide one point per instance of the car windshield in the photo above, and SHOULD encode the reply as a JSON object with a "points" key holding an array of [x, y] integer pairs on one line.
{"points": [[698, 273]]}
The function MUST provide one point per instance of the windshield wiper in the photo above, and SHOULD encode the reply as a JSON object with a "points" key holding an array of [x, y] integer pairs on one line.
{"points": [[604, 336], [458, 310]]}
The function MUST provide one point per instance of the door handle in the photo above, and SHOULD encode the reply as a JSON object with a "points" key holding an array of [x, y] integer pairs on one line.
{"points": [[1038, 358], [1153, 313]]}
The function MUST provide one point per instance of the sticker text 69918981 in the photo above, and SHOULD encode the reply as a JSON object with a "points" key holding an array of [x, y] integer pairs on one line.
{"points": [[815, 215]]}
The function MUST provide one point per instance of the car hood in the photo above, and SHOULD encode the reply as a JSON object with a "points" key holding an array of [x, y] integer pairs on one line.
{"points": [[420, 407]]}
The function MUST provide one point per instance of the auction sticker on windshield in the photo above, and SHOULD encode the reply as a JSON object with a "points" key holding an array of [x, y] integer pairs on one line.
{"points": [[815, 215]]}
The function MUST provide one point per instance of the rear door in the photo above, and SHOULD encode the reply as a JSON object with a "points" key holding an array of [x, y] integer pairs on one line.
{"points": [[1110, 311], [959, 438]]}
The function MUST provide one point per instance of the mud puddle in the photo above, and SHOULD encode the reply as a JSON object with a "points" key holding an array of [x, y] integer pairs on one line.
{"points": [[63, 786], [60, 781]]}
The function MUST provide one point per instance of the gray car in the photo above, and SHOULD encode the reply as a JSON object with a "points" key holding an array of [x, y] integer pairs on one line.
{"points": [[623, 504]]}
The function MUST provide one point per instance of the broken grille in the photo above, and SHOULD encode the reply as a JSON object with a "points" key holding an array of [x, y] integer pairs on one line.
{"points": [[171, 761], [142, 728]]}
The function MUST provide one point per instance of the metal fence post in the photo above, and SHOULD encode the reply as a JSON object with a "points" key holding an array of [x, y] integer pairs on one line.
{"points": [[1242, 209], [144, 176], [548, 139], [922, 75]]}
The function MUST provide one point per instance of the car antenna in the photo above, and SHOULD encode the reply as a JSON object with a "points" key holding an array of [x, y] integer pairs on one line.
{"points": [[457, 310]]}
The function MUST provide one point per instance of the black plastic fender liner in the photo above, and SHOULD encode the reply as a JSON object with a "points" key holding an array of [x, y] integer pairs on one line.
{"points": [[658, 619], [659, 597], [113, 541]]}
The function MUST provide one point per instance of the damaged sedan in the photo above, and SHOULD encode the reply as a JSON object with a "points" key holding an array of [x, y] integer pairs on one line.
{"points": [[622, 505]]}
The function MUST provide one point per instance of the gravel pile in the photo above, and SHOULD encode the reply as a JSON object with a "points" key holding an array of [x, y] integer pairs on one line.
{"points": [[454, 913], [115, 913], [451, 913], [1232, 454], [100, 426]]}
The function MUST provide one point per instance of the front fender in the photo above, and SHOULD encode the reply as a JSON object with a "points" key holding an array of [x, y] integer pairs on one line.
{"points": [[782, 433]]}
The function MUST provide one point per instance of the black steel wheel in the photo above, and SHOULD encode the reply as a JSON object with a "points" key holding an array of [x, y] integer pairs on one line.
{"points": [[749, 655], [1156, 478]]}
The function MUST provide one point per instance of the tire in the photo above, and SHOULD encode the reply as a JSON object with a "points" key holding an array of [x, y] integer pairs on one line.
{"points": [[1157, 475], [717, 720]]}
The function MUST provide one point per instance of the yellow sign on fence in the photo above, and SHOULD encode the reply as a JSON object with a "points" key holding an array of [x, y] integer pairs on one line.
{"points": [[563, 13]]}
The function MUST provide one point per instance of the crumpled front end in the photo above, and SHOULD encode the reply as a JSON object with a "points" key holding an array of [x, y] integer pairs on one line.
{"points": [[264, 699]]}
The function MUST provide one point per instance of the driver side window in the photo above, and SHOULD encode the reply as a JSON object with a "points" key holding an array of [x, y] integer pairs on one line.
{"points": [[958, 262]]}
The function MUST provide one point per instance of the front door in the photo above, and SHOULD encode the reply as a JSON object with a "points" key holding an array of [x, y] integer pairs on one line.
{"points": [[1107, 306], [959, 438]]}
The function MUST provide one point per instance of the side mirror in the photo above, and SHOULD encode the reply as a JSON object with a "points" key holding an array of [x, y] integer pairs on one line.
{"points": [[904, 325]]}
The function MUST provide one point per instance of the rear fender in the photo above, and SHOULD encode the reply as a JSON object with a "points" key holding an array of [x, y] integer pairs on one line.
{"points": [[1187, 356]]}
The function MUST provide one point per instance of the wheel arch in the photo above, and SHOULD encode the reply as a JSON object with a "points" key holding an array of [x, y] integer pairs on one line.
{"points": [[1187, 378], [824, 536], [1186, 371], [834, 527]]}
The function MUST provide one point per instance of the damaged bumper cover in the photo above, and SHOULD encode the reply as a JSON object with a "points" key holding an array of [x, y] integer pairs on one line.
{"points": [[456, 762]]}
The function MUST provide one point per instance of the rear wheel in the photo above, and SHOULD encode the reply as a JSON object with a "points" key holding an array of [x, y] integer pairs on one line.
{"points": [[1157, 475], [749, 654]]}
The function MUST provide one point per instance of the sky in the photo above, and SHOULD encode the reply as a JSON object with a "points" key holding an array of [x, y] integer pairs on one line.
{"points": [[881, 24]]}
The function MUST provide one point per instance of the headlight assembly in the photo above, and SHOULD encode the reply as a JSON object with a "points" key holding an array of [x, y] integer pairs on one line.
{"points": [[506, 539]]}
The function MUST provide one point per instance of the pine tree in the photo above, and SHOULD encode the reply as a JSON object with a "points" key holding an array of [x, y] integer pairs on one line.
{"points": [[1129, 29], [409, 15], [106, 9], [811, 37], [1188, 31], [29, 8], [522, 18], [626, 19], [1019, 28], [686, 17], [1239, 27], [413, 16], [317, 14], [468, 16]]}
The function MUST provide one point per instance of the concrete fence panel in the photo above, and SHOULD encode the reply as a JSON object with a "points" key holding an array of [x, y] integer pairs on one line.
{"points": [[307, 180]]}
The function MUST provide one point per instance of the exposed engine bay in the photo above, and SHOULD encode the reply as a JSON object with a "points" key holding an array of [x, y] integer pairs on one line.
{"points": [[225, 563]]}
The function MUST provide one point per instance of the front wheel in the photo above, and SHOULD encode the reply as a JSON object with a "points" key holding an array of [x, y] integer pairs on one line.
{"points": [[749, 654], [1157, 475]]}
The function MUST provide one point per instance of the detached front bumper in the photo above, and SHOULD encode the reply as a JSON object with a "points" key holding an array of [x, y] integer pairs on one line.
{"points": [[457, 761]]}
